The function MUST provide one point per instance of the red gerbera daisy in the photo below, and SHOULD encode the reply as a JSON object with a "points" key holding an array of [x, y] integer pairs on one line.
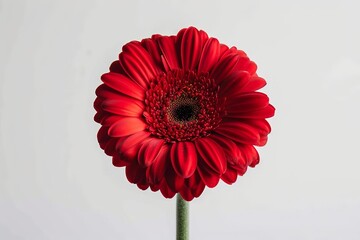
{"points": [[182, 112]]}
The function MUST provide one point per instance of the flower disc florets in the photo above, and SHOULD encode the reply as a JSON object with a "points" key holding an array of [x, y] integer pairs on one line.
{"points": [[182, 106]]}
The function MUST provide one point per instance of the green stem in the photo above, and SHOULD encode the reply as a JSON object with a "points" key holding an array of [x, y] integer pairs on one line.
{"points": [[182, 218]]}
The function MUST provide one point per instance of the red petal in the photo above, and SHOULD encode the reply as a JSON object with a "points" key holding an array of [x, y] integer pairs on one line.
{"points": [[106, 93], [240, 171], [123, 106], [224, 67], [184, 158], [251, 155], [261, 125], [126, 126], [131, 141], [109, 119], [97, 104], [254, 84], [154, 50], [196, 184], [203, 37], [99, 116], [156, 36], [265, 112], [110, 147], [167, 46], [178, 40], [263, 140], [232, 152], [116, 67], [241, 53], [245, 64], [210, 55], [247, 102], [138, 63], [115, 101], [224, 50], [134, 173], [134, 69], [103, 136], [186, 194], [174, 181], [256, 159], [158, 168], [239, 132], [143, 186], [165, 190], [229, 176], [154, 187], [233, 84], [212, 154], [149, 151], [123, 85], [190, 49], [119, 162], [210, 178], [130, 154]]}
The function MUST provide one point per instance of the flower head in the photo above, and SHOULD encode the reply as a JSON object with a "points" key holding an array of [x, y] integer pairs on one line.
{"points": [[182, 112]]}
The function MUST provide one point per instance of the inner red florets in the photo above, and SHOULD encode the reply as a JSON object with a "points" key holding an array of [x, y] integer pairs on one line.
{"points": [[182, 106]]}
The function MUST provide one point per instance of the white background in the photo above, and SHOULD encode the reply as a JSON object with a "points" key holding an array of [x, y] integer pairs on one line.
{"points": [[56, 183]]}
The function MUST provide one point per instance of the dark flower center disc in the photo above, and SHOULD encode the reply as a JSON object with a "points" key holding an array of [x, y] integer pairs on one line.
{"points": [[183, 110], [184, 113]]}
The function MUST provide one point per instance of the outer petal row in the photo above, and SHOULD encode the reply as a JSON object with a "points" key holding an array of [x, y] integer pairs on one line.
{"points": [[123, 85], [184, 158], [138, 64]]}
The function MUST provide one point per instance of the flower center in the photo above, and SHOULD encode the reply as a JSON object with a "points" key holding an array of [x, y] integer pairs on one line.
{"points": [[183, 110], [182, 106]]}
